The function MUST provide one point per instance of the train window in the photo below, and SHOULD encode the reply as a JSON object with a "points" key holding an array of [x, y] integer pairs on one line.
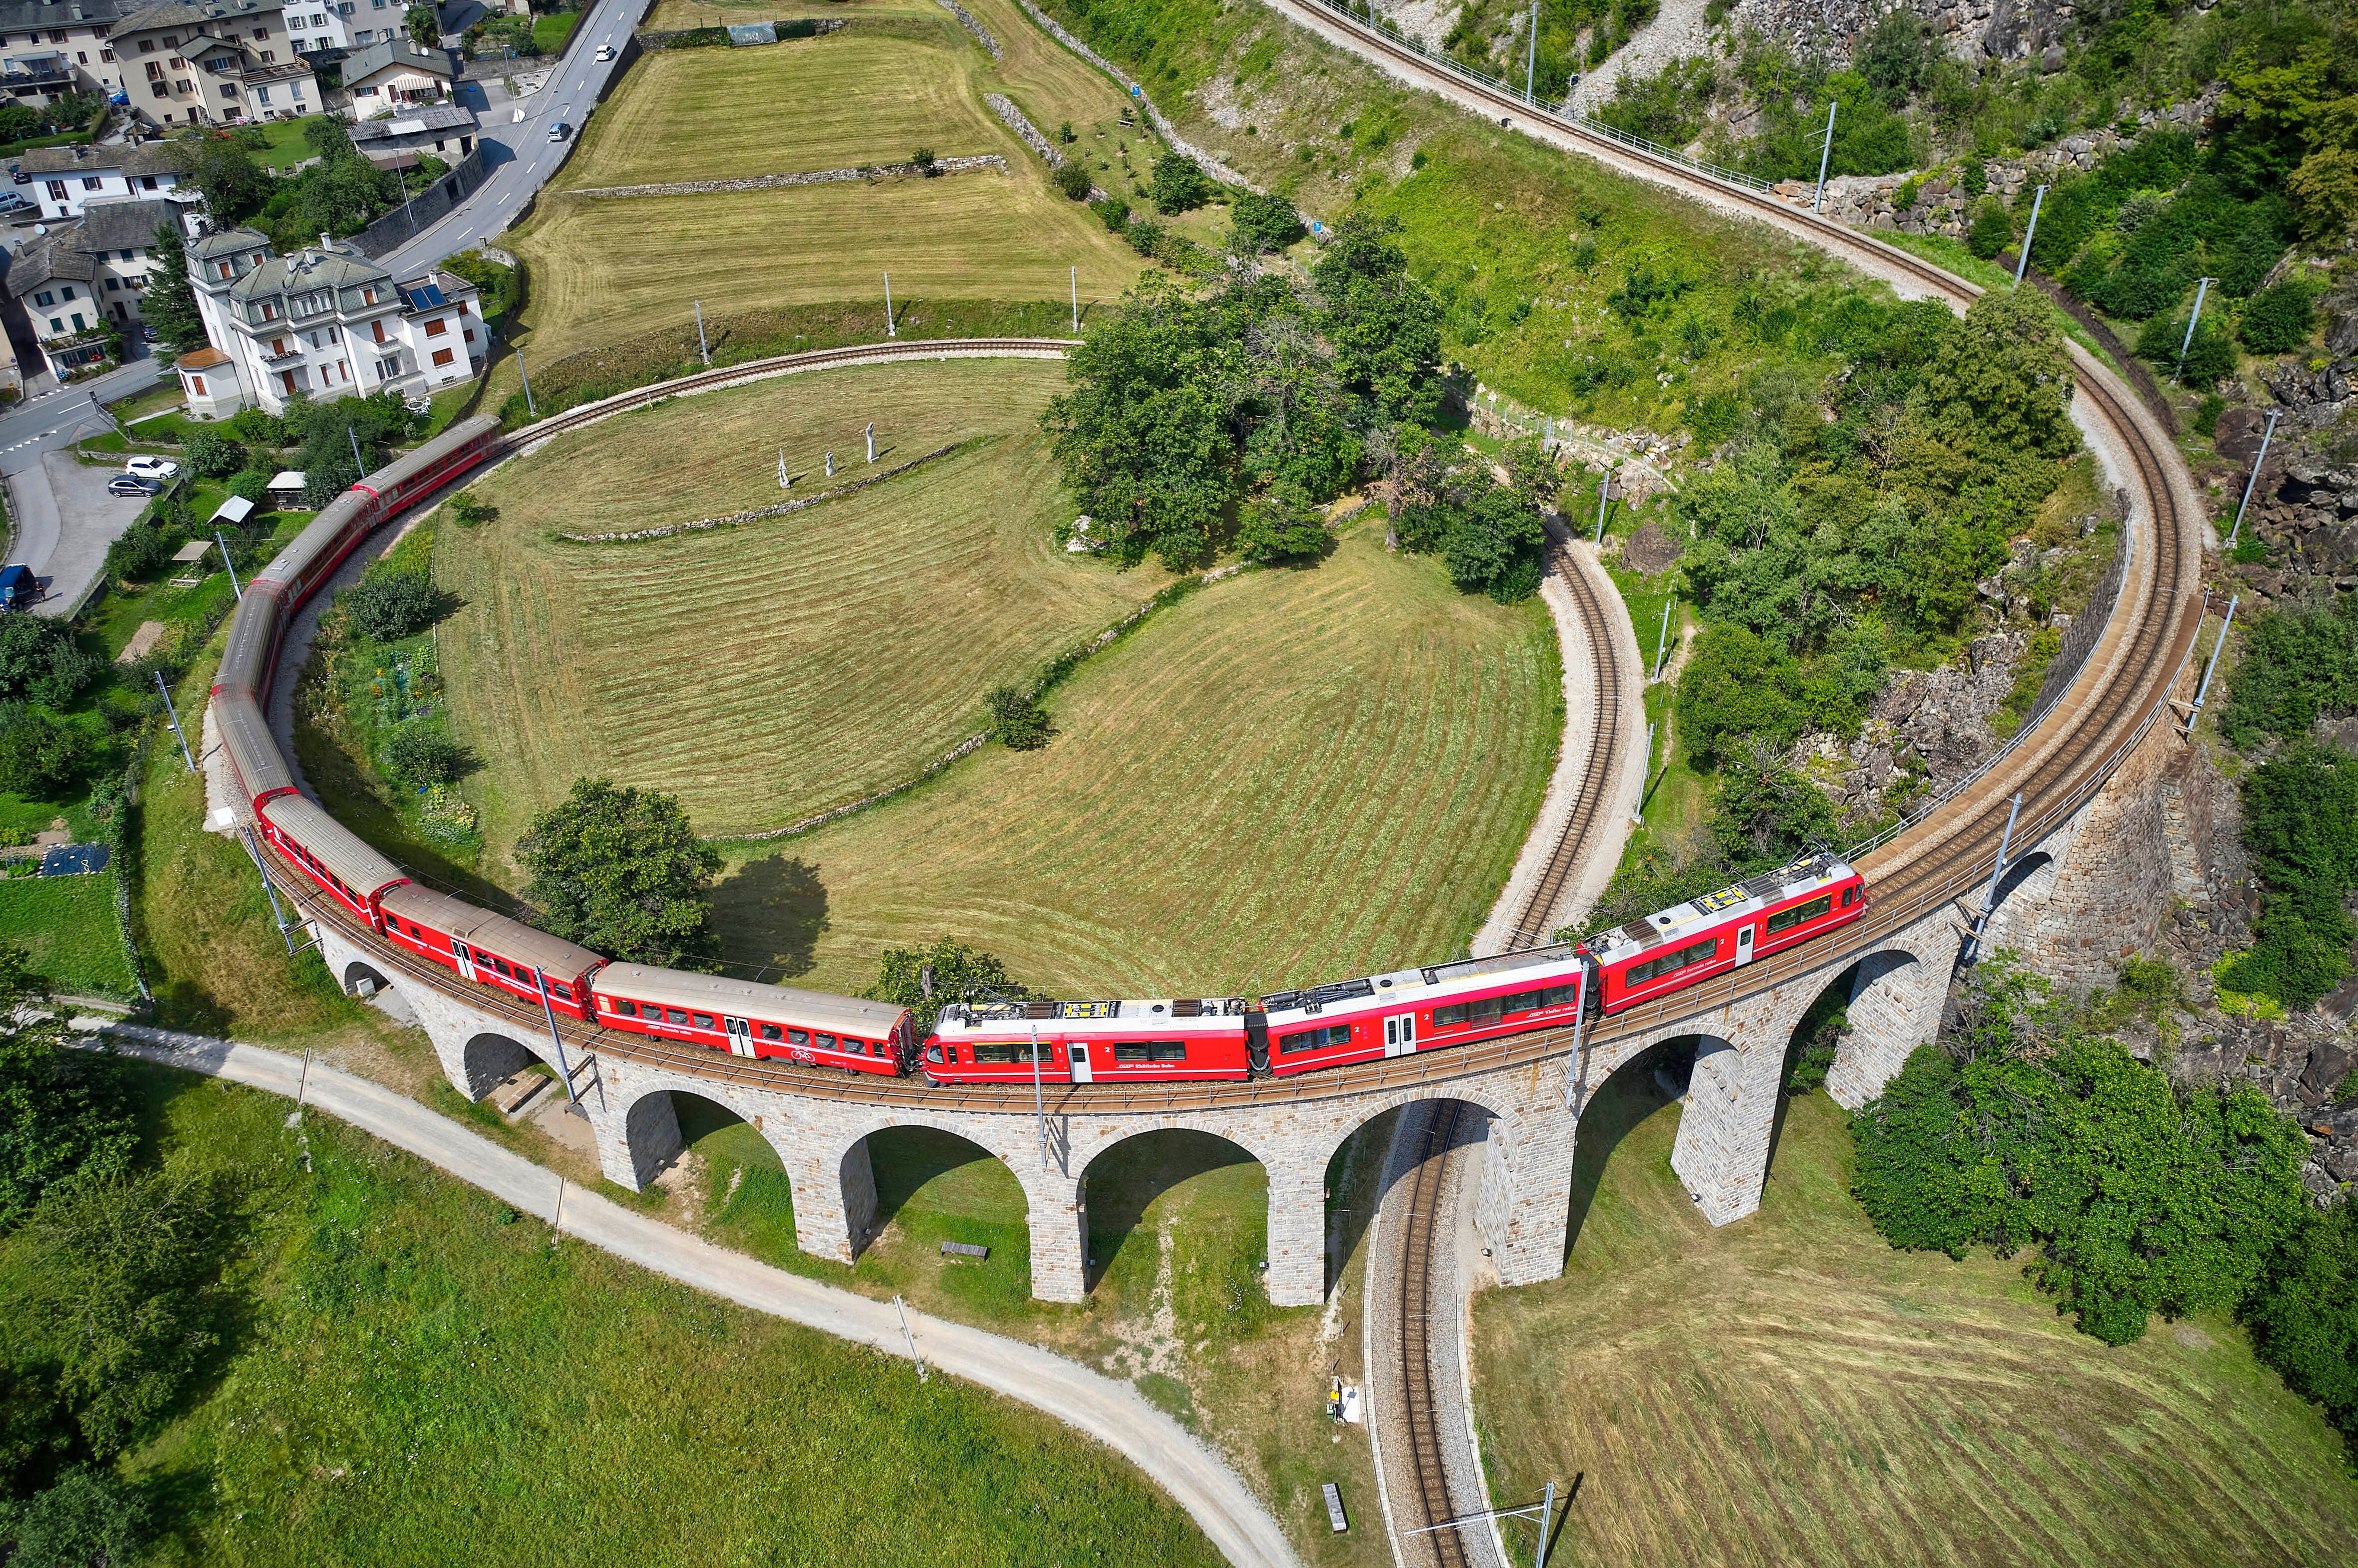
{"points": [[560, 989], [1850, 895], [704, 1021], [824, 1042], [772, 1032], [797, 1036], [1786, 919], [1694, 953], [627, 1009], [1158, 1051], [854, 1046], [501, 965], [1314, 1039], [1559, 996], [675, 1017], [879, 1048], [933, 1053], [1004, 1050]]}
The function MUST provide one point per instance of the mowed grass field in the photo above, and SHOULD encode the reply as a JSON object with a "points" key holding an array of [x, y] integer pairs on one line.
{"points": [[67, 929], [1792, 1390], [424, 1377], [1288, 776], [769, 670], [604, 268]]}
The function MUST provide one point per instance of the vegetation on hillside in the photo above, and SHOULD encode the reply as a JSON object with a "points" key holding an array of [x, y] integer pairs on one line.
{"points": [[340, 194], [619, 871]]}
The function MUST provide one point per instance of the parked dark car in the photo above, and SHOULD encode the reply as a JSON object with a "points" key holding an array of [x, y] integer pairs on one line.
{"points": [[124, 484]]}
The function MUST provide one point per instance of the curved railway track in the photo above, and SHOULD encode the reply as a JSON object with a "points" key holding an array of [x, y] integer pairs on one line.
{"points": [[1420, 1418], [1606, 759]]}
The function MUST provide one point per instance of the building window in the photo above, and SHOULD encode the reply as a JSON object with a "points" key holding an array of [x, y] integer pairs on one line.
{"points": [[93, 182], [147, 46], [387, 369], [77, 320], [442, 356], [57, 189], [146, 182], [267, 57], [56, 325], [183, 86], [106, 55], [295, 24], [112, 285], [436, 327], [262, 95], [262, 36], [217, 65], [228, 269], [162, 91], [154, 70], [66, 292], [82, 57], [197, 384], [128, 255], [45, 297]]}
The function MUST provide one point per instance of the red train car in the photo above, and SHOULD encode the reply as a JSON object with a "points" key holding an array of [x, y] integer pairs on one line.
{"points": [[491, 949], [1182, 1040], [1724, 930], [748, 1018], [1426, 1008], [329, 854]]}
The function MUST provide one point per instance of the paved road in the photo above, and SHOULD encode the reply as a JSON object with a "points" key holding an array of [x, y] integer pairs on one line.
{"points": [[1114, 1413], [520, 155]]}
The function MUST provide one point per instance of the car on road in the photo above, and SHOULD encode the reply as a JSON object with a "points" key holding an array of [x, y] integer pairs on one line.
{"points": [[605, 51], [18, 588], [124, 485], [12, 198], [17, 173], [146, 467], [559, 131]]}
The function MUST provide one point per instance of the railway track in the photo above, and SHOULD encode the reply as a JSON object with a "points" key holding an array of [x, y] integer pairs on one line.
{"points": [[1941, 857], [1605, 759], [1419, 1416]]}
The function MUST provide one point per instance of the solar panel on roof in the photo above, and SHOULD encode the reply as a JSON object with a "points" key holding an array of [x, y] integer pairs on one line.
{"points": [[426, 296]]}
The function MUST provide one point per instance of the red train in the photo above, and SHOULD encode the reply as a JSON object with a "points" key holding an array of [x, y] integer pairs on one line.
{"points": [[1171, 1040]]}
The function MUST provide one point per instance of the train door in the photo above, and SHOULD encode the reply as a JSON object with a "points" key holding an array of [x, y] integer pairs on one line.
{"points": [[464, 956], [1399, 1035], [1743, 944], [1084, 1070], [740, 1036]]}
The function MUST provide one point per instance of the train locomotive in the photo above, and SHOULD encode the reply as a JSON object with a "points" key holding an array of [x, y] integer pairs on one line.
{"points": [[1184, 1039]]}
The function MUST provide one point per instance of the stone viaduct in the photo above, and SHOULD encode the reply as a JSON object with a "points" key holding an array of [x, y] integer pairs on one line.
{"points": [[1533, 1110]]}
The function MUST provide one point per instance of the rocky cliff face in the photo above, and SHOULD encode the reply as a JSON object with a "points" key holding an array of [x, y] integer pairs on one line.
{"points": [[1976, 30], [2304, 505]]}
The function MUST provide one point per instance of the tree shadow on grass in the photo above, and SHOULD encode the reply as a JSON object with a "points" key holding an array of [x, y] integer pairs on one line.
{"points": [[774, 912]]}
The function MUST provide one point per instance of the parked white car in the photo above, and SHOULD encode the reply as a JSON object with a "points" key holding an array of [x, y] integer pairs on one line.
{"points": [[152, 468]]}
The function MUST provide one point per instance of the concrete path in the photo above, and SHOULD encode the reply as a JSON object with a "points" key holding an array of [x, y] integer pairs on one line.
{"points": [[67, 523], [1114, 1413]]}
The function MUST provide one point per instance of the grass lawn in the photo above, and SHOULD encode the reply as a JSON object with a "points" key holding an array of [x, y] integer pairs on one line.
{"points": [[828, 103], [1288, 776], [422, 1377], [1178, 1228], [837, 649], [67, 925], [550, 31], [287, 148], [1792, 1390]]}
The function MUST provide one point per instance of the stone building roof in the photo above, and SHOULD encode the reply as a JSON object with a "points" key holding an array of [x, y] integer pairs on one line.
{"points": [[365, 62], [150, 157], [202, 15]]}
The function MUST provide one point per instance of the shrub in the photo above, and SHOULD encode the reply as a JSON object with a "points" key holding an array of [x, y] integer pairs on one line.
{"points": [[1113, 212], [1145, 236], [467, 512], [417, 755], [252, 484], [1073, 181], [212, 455], [924, 158], [90, 1516], [390, 605], [2301, 824], [1992, 230], [2206, 414], [2304, 1317], [1017, 721], [621, 870], [41, 754], [258, 426], [1180, 184], [926, 979], [2279, 321], [40, 660], [1265, 222], [137, 555]]}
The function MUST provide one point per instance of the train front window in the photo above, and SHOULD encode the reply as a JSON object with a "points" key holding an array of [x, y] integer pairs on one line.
{"points": [[1786, 919], [1850, 896]]}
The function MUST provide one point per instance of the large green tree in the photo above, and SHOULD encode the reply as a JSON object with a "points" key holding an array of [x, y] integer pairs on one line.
{"points": [[926, 979], [2027, 1128], [2301, 824], [620, 870], [170, 303], [2304, 1317]]}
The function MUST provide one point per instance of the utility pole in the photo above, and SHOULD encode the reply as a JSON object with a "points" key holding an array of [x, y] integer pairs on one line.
{"points": [[888, 305], [702, 346], [2201, 288], [903, 1309], [2022, 261], [2202, 692], [1638, 817], [1077, 302], [1989, 899], [356, 455], [2255, 479], [1603, 495], [1662, 642], [1825, 157], [529, 410], [550, 1014], [1532, 59], [229, 567], [173, 713]]}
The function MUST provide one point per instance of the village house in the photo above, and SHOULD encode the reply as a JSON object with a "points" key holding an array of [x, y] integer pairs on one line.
{"points": [[67, 179], [52, 47], [85, 275], [395, 73], [212, 61], [326, 323], [446, 131]]}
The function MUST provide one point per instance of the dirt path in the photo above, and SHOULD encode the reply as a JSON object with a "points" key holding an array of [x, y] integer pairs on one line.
{"points": [[1114, 1413]]}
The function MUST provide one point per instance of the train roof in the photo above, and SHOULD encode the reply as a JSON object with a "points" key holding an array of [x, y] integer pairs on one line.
{"points": [[479, 927], [1317, 999], [245, 661], [318, 538], [390, 476], [253, 750], [332, 844], [676, 988], [1184, 1014], [1803, 876]]}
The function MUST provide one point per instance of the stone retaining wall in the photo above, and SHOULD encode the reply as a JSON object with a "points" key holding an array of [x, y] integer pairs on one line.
{"points": [[981, 34]]}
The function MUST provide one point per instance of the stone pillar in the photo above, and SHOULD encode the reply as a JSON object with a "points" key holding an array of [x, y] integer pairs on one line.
{"points": [[1895, 1006], [1523, 1202], [1722, 1151], [1297, 1234], [835, 1195], [636, 1136], [1060, 1233]]}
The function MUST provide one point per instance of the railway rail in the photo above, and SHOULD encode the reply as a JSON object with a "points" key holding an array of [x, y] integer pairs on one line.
{"points": [[1606, 759], [1419, 1412]]}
